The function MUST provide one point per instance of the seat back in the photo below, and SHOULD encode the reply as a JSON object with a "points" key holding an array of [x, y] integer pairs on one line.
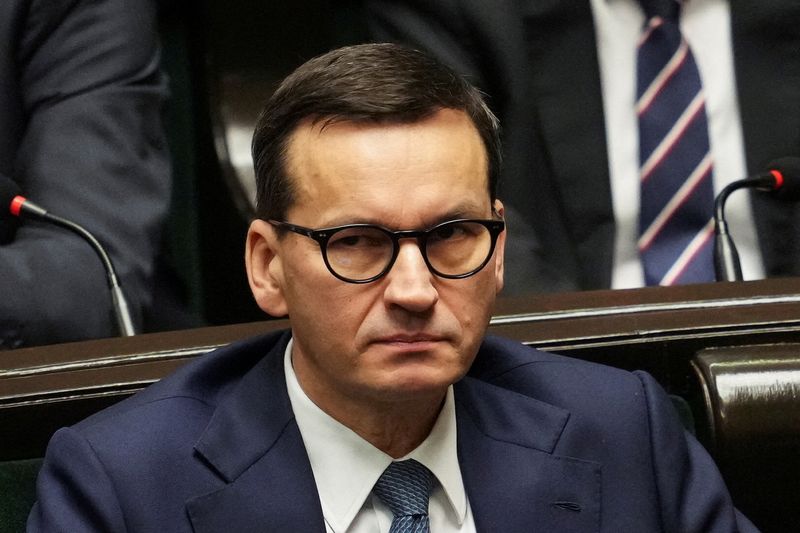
{"points": [[752, 400]]}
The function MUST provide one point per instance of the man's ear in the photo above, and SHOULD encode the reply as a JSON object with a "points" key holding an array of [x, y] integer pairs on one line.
{"points": [[500, 249], [265, 268]]}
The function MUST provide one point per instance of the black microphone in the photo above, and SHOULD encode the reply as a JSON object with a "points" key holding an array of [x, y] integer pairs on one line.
{"points": [[782, 180], [8, 222], [20, 207]]}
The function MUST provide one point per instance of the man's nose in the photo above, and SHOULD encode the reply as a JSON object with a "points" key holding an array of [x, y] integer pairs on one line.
{"points": [[410, 281]]}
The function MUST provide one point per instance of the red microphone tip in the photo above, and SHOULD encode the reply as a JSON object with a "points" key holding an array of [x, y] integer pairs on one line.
{"points": [[16, 205], [778, 179]]}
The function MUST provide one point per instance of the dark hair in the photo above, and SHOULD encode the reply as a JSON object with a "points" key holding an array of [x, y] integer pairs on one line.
{"points": [[362, 83]]}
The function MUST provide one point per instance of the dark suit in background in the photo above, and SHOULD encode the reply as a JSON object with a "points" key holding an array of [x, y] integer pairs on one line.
{"points": [[80, 132], [545, 443], [537, 60]]}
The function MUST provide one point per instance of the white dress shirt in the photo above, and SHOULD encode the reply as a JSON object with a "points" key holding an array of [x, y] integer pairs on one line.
{"points": [[346, 467], [706, 26]]}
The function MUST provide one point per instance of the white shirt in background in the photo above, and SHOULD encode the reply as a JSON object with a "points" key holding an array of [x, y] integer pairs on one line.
{"points": [[706, 26]]}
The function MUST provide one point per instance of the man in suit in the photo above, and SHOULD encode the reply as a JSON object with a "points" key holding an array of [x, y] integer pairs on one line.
{"points": [[380, 234], [560, 75], [81, 95]]}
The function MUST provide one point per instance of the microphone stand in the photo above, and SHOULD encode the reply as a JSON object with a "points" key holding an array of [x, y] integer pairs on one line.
{"points": [[122, 312], [727, 266]]}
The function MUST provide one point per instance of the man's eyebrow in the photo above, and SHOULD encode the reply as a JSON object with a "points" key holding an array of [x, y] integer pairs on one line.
{"points": [[348, 220], [471, 211], [466, 210]]}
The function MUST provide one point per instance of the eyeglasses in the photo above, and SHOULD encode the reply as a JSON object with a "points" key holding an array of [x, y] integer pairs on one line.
{"points": [[361, 253]]}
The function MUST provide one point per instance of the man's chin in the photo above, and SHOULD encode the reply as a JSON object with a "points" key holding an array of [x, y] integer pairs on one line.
{"points": [[415, 384]]}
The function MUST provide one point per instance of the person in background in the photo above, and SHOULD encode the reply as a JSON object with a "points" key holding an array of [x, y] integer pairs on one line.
{"points": [[384, 407], [563, 76], [81, 97]]}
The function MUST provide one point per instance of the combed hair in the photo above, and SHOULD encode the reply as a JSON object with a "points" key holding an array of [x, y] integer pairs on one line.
{"points": [[380, 83]]}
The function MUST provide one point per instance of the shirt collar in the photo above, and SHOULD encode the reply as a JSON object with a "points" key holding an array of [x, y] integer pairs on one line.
{"points": [[346, 467]]}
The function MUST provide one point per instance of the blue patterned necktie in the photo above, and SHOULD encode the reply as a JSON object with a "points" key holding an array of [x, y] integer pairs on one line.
{"points": [[677, 195], [405, 488]]}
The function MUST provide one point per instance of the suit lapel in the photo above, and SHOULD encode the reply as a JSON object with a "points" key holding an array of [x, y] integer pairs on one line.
{"points": [[513, 480], [254, 445]]}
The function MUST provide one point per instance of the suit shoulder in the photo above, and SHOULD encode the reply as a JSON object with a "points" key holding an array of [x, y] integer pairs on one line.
{"points": [[192, 390], [555, 379], [499, 356]]}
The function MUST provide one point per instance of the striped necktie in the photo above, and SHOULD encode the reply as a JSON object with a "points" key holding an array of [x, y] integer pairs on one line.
{"points": [[677, 196], [405, 488]]}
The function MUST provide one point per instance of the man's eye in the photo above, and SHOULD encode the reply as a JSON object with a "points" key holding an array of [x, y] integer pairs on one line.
{"points": [[359, 240], [450, 232], [444, 233], [352, 240]]}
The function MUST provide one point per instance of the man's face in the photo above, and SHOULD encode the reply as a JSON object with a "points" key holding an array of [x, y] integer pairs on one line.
{"points": [[410, 334]]}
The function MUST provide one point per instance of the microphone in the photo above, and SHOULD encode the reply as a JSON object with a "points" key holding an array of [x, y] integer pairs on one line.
{"points": [[8, 223], [782, 180], [22, 208]]}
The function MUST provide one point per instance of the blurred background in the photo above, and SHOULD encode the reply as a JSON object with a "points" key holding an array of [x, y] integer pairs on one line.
{"points": [[224, 59]]}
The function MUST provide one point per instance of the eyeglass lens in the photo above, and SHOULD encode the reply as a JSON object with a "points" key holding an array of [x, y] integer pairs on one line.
{"points": [[452, 249]]}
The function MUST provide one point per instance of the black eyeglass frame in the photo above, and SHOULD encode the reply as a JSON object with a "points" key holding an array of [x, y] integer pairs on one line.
{"points": [[323, 235]]}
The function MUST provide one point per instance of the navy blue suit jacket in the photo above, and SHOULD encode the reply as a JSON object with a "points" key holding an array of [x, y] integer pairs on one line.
{"points": [[545, 443]]}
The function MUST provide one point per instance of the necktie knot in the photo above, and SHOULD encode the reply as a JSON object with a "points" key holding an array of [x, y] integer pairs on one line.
{"points": [[666, 9], [405, 488]]}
